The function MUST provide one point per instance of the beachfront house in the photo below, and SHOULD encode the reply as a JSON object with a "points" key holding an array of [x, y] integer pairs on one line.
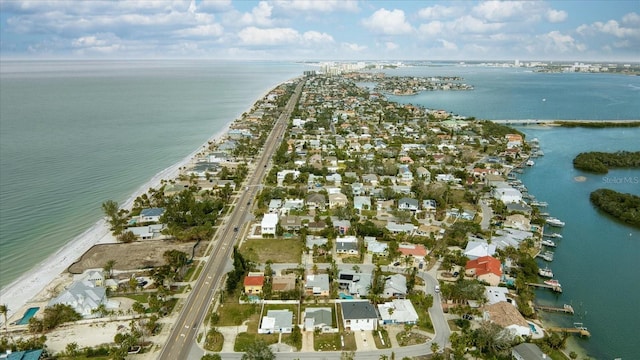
{"points": [[85, 298], [150, 215]]}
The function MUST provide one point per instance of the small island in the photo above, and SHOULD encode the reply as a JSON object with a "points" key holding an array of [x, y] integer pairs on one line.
{"points": [[600, 162], [622, 206]]}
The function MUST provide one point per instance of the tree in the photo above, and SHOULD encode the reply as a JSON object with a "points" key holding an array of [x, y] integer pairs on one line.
{"points": [[258, 350], [115, 216], [4, 309], [138, 307], [347, 355], [71, 350], [108, 267], [127, 237]]}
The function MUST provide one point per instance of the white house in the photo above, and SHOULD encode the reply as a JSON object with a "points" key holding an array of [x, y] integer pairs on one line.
{"points": [[398, 311], [347, 245], [151, 214], [395, 286], [507, 195], [269, 224], [277, 321], [84, 298], [359, 315]]}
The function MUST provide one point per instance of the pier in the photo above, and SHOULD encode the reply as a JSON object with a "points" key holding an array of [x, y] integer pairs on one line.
{"points": [[555, 288], [566, 308], [578, 329]]}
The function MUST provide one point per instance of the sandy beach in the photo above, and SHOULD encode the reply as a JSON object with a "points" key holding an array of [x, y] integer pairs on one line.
{"points": [[33, 286]]}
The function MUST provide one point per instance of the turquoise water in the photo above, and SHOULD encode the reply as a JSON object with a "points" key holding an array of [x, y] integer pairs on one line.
{"points": [[75, 134], [27, 316]]}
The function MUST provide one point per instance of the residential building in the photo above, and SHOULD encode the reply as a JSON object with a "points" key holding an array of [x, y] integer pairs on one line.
{"points": [[317, 285], [416, 251], [398, 311], [253, 283], [528, 351], [277, 321], [269, 224], [486, 268], [151, 215], [408, 204], [395, 286], [347, 245], [337, 199], [507, 316], [281, 283], [359, 315], [479, 248], [354, 283], [318, 318]]}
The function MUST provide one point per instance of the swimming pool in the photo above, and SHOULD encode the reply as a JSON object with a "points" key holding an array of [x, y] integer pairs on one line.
{"points": [[27, 316], [533, 328]]}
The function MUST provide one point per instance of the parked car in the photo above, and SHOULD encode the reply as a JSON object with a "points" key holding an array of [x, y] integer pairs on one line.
{"points": [[467, 317], [437, 289]]}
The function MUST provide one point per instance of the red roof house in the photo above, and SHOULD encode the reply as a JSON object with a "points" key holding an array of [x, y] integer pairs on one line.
{"points": [[485, 268]]}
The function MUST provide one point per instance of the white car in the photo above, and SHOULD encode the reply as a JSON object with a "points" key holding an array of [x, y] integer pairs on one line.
{"points": [[437, 289]]}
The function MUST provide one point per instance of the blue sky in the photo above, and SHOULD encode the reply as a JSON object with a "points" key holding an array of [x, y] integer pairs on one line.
{"points": [[322, 29]]}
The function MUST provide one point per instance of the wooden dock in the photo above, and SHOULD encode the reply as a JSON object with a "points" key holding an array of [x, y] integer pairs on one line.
{"points": [[567, 309], [557, 289], [582, 331]]}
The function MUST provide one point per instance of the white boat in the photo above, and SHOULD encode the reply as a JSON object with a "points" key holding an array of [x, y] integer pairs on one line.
{"points": [[539, 203], [546, 272], [553, 235], [547, 255], [552, 282], [547, 242], [530, 163], [555, 222]]}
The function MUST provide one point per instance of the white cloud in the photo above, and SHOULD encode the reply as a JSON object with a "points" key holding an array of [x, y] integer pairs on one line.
{"points": [[388, 22], [103, 43], [274, 36], [213, 5], [502, 10], [631, 19], [353, 47], [470, 24], [324, 6], [201, 30], [556, 16], [438, 12], [448, 45], [259, 15], [555, 42], [390, 45], [432, 28], [317, 37]]}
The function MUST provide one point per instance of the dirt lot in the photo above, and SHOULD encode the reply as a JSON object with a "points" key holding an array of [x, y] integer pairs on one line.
{"points": [[276, 250], [132, 256]]}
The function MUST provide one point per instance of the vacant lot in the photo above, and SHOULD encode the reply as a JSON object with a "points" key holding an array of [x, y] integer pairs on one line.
{"points": [[132, 256], [277, 250]]}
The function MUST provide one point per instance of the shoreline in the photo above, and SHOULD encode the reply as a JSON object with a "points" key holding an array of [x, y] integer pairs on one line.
{"points": [[30, 285]]}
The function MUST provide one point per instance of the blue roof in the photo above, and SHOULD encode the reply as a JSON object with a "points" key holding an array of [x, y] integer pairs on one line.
{"points": [[25, 355], [152, 212]]}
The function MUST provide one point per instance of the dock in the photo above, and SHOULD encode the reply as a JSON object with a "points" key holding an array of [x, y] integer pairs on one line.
{"points": [[567, 309], [579, 329], [555, 288]]}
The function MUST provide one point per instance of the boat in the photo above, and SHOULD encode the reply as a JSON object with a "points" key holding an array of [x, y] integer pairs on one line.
{"points": [[547, 255], [552, 282], [547, 242], [544, 214], [530, 163], [553, 235], [555, 222], [546, 272], [539, 203]]}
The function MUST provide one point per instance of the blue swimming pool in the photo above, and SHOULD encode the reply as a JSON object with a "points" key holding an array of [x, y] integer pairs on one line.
{"points": [[533, 328], [27, 315]]}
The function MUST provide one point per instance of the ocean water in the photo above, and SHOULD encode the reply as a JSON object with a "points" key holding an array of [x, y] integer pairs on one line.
{"points": [[74, 134]]}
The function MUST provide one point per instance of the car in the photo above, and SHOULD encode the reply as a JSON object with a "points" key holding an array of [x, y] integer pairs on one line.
{"points": [[420, 266], [235, 229], [437, 289], [397, 263], [248, 202], [455, 274], [467, 317]]}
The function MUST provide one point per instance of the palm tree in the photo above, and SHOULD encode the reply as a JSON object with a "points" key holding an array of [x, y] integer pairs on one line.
{"points": [[108, 267], [4, 309]]}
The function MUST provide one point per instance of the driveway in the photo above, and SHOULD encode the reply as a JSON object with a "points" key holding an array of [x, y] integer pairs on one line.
{"points": [[364, 340]]}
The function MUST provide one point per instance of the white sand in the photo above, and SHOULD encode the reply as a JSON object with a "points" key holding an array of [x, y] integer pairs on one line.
{"points": [[23, 290]]}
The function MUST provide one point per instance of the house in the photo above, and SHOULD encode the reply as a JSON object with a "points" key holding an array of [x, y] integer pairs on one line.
{"points": [[337, 199], [253, 283], [507, 316], [476, 249], [84, 298], [405, 174], [315, 241], [485, 268], [281, 175], [291, 223], [416, 251], [151, 215], [292, 204], [282, 283], [359, 315], [357, 189], [342, 226], [277, 321], [507, 194], [374, 246], [317, 285], [424, 174], [354, 283], [149, 232], [269, 224], [528, 351], [316, 200], [347, 245], [396, 228], [362, 203], [496, 294], [274, 206], [395, 286], [336, 179], [33, 354], [408, 204], [398, 311], [318, 318]]}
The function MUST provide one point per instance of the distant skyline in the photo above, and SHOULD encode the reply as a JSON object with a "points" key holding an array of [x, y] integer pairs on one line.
{"points": [[322, 30]]}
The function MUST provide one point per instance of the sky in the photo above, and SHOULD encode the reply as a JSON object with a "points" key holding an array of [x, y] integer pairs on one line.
{"points": [[321, 30]]}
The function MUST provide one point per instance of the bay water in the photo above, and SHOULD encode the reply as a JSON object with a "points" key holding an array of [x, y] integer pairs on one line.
{"points": [[74, 134]]}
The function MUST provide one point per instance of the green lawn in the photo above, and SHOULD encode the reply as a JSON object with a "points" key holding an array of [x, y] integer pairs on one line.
{"points": [[381, 333], [277, 250], [327, 342], [234, 314], [243, 340]]}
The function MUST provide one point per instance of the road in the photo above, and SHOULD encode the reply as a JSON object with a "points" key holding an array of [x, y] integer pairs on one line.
{"points": [[182, 337]]}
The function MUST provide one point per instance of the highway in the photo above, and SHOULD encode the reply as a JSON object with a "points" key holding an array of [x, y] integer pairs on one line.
{"points": [[183, 334]]}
